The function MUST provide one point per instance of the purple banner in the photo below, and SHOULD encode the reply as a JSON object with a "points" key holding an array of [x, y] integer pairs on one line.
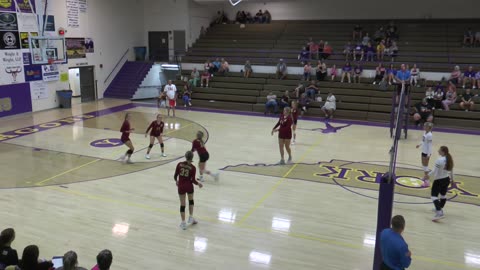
{"points": [[15, 99], [33, 73], [9, 5], [27, 58]]}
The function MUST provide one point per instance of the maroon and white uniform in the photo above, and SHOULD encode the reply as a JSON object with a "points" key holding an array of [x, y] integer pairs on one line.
{"points": [[157, 129], [185, 173], [199, 147], [285, 123], [295, 116], [125, 130]]}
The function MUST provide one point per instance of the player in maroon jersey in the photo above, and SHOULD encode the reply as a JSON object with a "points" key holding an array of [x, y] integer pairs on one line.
{"points": [[185, 179], [198, 145], [157, 131], [284, 129], [126, 129], [295, 119]]}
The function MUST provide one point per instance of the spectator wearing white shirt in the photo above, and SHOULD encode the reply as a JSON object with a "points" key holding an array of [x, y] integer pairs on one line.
{"points": [[330, 106], [414, 75], [171, 92]]}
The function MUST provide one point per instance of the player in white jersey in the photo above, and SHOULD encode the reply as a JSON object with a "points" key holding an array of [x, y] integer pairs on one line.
{"points": [[427, 146], [442, 175], [171, 92]]}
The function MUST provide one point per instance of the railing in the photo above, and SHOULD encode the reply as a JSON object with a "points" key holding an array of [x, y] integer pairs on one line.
{"points": [[116, 65]]}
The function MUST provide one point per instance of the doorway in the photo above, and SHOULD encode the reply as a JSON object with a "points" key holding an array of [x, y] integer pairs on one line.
{"points": [[158, 46], [82, 83]]}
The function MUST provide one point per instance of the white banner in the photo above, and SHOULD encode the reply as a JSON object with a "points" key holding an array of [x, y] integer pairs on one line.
{"points": [[38, 90], [73, 13], [27, 23], [50, 73], [11, 67]]}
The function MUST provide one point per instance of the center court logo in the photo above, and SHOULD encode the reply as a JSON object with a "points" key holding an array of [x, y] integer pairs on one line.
{"points": [[105, 143], [367, 175]]}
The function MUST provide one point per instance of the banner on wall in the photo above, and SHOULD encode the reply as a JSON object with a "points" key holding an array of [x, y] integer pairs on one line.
{"points": [[24, 39], [38, 90], [10, 40], [28, 23], [73, 16], [89, 46], [33, 73], [11, 67], [8, 21], [50, 27], [50, 73], [27, 58], [24, 6], [75, 48], [15, 99]]}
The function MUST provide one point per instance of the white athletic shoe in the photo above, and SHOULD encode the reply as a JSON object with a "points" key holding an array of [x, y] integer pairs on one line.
{"points": [[439, 215], [163, 155], [129, 161], [216, 176], [192, 221], [183, 225], [201, 179], [147, 156], [282, 162], [289, 161], [122, 158]]}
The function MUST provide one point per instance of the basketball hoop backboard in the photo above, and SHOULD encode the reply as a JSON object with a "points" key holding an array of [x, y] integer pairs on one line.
{"points": [[47, 50]]}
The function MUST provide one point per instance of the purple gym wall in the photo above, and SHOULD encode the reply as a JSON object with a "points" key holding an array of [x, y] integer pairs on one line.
{"points": [[15, 99]]}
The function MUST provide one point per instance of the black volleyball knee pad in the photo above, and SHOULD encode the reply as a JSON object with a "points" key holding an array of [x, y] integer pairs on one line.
{"points": [[162, 145], [130, 152], [190, 202], [182, 209], [150, 146]]}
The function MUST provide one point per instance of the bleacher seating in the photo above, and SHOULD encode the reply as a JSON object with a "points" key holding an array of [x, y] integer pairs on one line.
{"points": [[434, 46]]}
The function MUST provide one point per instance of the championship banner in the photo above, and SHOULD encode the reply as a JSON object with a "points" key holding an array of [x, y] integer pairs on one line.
{"points": [[15, 99]]}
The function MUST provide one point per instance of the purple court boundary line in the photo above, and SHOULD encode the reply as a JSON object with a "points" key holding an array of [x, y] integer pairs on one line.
{"points": [[318, 119], [338, 184]]}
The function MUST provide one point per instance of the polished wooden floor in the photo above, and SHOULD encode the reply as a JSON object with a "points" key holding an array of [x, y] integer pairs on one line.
{"points": [[258, 216]]}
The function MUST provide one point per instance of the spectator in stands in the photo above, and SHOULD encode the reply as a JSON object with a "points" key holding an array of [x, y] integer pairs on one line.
{"points": [[370, 52], [284, 101], [321, 46], [30, 260], [205, 78], [216, 65], [450, 96], [346, 71], [357, 73], [357, 32], [414, 75], [187, 95], [391, 73], [430, 96], [379, 73], [380, 50], [468, 37], [247, 69], [477, 38], [423, 112], [469, 77], [358, 52], [299, 90], [70, 262], [250, 19], [321, 71], [477, 79], [238, 17], [281, 70], [467, 100], [8, 255], [307, 71], [330, 106], [224, 67], [327, 51], [392, 31], [209, 67], [267, 17], [403, 79], [259, 16], [104, 260], [313, 49], [304, 55], [333, 72], [455, 75], [312, 90], [393, 51], [365, 39], [219, 18], [303, 102], [271, 103], [438, 96], [194, 77], [347, 51], [379, 34]]}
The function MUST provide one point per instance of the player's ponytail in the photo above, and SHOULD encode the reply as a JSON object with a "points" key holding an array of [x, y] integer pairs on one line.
{"points": [[449, 163], [200, 137]]}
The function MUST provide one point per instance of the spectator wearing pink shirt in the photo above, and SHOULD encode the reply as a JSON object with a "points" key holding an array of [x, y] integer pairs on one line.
{"points": [[313, 47], [333, 72], [455, 75], [307, 71], [450, 96], [104, 260]]}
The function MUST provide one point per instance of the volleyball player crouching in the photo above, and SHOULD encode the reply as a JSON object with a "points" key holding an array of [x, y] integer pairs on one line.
{"points": [[185, 179], [443, 176], [198, 145], [295, 119], [157, 131], [426, 145], [284, 129], [126, 129]]}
